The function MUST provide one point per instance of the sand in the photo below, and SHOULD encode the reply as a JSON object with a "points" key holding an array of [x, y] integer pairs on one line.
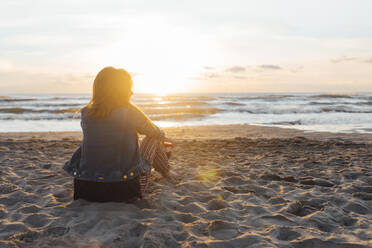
{"points": [[238, 186]]}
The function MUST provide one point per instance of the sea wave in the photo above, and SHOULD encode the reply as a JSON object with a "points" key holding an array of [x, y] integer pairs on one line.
{"points": [[72, 113], [57, 105], [185, 97], [41, 99], [172, 104], [280, 109], [68, 98], [40, 118], [333, 96], [260, 97], [296, 110], [343, 103], [177, 117], [179, 111], [9, 99], [234, 104], [27, 110], [286, 123]]}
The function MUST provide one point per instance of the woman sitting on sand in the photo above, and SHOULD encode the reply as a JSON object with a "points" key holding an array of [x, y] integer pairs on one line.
{"points": [[110, 165]]}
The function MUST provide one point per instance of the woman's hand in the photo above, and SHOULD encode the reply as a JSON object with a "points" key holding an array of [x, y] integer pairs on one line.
{"points": [[167, 139]]}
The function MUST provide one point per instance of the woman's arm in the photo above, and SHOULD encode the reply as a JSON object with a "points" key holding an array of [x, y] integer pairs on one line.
{"points": [[144, 125]]}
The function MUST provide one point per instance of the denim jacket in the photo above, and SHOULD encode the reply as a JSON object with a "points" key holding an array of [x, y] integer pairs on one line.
{"points": [[109, 151]]}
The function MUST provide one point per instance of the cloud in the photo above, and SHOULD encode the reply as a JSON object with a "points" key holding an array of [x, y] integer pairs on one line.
{"points": [[208, 75], [240, 77], [343, 59], [356, 59], [205, 77], [235, 69], [212, 75], [297, 69], [270, 67], [208, 67]]}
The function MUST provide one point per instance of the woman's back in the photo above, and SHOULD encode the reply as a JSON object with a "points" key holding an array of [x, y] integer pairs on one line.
{"points": [[109, 151]]}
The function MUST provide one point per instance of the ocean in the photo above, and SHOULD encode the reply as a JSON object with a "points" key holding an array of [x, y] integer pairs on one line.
{"points": [[349, 113]]}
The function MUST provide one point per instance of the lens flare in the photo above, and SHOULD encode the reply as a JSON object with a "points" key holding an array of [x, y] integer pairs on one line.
{"points": [[208, 175]]}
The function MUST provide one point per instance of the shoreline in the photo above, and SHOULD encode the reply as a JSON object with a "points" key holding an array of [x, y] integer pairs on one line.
{"points": [[206, 132]]}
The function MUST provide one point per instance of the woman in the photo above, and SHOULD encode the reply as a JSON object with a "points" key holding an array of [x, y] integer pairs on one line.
{"points": [[110, 165]]}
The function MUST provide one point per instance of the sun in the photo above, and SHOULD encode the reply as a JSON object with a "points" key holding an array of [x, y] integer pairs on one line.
{"points": [[161, 57], [161, 84]]}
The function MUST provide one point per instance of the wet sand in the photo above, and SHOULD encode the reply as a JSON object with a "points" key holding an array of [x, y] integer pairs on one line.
{"points": [[238, 186]]}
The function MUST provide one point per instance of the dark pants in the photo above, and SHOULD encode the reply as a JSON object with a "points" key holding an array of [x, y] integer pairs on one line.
{"points": [[127, 191]]}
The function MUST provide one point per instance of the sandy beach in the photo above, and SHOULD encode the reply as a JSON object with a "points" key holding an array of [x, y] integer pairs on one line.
{"points": [[237, 186]]}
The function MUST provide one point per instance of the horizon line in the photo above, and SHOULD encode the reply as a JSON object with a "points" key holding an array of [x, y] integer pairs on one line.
{"points": [[189, 93]]}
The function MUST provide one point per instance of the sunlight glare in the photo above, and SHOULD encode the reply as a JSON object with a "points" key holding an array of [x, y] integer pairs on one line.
{"points": [[161, 56]]}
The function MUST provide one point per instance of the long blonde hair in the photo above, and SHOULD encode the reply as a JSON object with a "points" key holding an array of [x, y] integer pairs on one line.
{"points": [[112, 88]]}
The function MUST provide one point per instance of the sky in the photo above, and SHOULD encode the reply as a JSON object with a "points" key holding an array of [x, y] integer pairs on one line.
{"points": [[187, 46]]}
